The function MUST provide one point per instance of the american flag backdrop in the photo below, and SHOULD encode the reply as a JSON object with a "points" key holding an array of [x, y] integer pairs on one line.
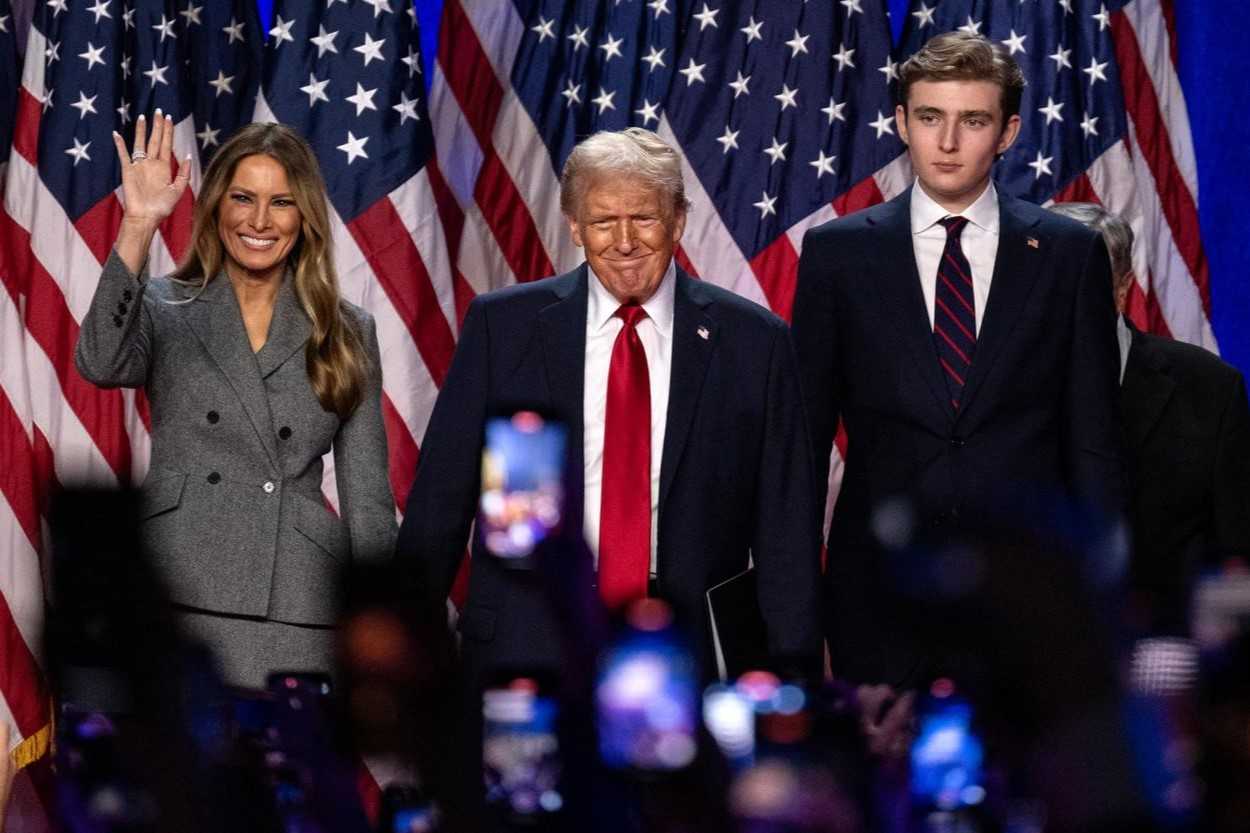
{"points": [[784, 111]]}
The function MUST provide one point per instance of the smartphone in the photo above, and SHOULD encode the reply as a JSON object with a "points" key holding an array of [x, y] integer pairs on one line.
{"points": [[522, 501], [947, 756], [647, 695], [521, 761], [405, 809]]}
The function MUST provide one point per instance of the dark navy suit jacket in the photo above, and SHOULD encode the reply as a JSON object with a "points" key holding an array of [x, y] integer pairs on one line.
{"points": [[1038, 411], [735, 480]]}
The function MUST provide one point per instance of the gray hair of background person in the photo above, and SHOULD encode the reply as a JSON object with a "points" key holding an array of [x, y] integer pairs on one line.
{"points": [[959, 56], [635, 153], [1117, 234]]}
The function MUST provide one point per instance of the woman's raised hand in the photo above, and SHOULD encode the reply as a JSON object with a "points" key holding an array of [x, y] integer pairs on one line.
{"points": [[149, 190]]}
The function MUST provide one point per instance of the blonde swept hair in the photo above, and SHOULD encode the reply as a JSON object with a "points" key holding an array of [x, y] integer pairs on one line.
{"points": [[634, 153], [335, 355]]}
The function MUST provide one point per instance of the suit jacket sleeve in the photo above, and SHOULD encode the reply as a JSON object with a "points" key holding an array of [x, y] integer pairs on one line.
{"points": [[441, 504], [115, 340], [786, 540], [1231, 481], [1091, 442], [360, 464], [816, 347]]}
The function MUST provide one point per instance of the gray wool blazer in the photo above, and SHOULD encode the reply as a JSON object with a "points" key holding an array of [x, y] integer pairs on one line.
{"points": [[231, 509]]}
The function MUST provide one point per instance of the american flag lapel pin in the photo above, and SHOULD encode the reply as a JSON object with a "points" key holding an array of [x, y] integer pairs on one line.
{"points": [[703, 333], [1032, 241]]}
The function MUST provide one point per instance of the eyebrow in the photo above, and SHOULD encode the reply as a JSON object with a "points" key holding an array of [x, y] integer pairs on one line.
{"points": [[252, 193], [963, 114]]}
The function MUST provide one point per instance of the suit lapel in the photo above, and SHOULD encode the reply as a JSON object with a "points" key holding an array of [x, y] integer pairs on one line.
{"points": [[562, 327], [694, 339], [897, 282], [1148, 386], [288, 331], [1015, 271], [215, 319]]}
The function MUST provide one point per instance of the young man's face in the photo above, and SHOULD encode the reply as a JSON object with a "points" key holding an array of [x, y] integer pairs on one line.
{"points": [[953, 131]]}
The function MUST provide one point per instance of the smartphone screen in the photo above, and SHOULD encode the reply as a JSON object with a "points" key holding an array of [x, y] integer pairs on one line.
{"points": [[646, 696], [947, 755], [522, 500], [521, 763]]}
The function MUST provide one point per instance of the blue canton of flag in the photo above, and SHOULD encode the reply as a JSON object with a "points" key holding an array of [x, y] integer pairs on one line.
{"points": [[782, 107], [1072, 111], [348, 76], [779, 107], [107, 62]]}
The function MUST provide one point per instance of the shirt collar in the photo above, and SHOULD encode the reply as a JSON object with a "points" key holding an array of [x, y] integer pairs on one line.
{"points": [[925, 212], [601, 305]]}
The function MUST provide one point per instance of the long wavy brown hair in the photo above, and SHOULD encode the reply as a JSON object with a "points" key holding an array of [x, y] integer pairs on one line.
{"points": [[335, 354]]}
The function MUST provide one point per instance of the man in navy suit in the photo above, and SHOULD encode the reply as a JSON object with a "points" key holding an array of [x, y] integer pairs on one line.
{"points": [[685, 419], [964, 338], [1187, 448]]}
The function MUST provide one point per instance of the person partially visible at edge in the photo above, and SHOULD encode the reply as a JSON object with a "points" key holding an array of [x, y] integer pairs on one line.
{"points": [[1187, 446], [253, 367]]}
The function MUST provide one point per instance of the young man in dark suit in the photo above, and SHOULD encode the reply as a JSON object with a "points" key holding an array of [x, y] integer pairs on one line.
{"points": [[1187, 447], [963, 337]]}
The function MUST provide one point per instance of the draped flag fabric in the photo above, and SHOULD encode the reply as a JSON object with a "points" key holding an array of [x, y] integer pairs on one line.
{"points": [[1104, 121], [784, 112]]}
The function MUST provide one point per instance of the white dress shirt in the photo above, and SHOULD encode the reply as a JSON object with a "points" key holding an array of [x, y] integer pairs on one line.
{"points": [[656, 334], [979, 241]]}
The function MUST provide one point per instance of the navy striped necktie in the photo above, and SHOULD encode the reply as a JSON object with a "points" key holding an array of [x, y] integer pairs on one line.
{"points": [[954, 313]]}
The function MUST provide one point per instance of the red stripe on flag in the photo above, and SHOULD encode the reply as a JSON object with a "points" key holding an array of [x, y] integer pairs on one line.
{"points": [[50, 323], [176, 230], [510, 221], [1144, 311], [471, 79], [1078, 190], [683, 260], [1142, 103], [777, 270], [469, 72], [17, 477], [98, 226], [45, 469], [1168, 9], [452, 218], [403, 452], [21, 682], [863, 194], [384, 241], [26, 126]]}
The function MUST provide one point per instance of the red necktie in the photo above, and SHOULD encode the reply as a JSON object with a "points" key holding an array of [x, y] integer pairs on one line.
{"points": [[954, 316], [625, 509]]}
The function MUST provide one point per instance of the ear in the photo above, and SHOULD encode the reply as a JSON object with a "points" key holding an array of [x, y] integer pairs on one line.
{"points": [[679, 225], [1008, 137], [900, 120], [574, 230]]}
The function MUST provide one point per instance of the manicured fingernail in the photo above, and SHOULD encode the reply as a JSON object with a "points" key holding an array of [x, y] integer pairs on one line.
{"points": [[158, 111], [141, 118]]}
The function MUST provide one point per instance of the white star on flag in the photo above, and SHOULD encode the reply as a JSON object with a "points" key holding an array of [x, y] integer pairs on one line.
{"points": [[354, 148], [222, 84], [79, 152], [371, 50], [823, 164], [315, 90], [882, 124], [1041, 165], [324, 41], [363, 99], [281, 31], [765, 205]]}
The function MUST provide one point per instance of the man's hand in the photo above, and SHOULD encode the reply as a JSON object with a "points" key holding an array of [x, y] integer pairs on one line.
{"points": [[887, 720]]}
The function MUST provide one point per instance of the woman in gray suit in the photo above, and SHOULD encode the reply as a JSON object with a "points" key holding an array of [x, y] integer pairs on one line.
{"points": [[254, 368]]}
